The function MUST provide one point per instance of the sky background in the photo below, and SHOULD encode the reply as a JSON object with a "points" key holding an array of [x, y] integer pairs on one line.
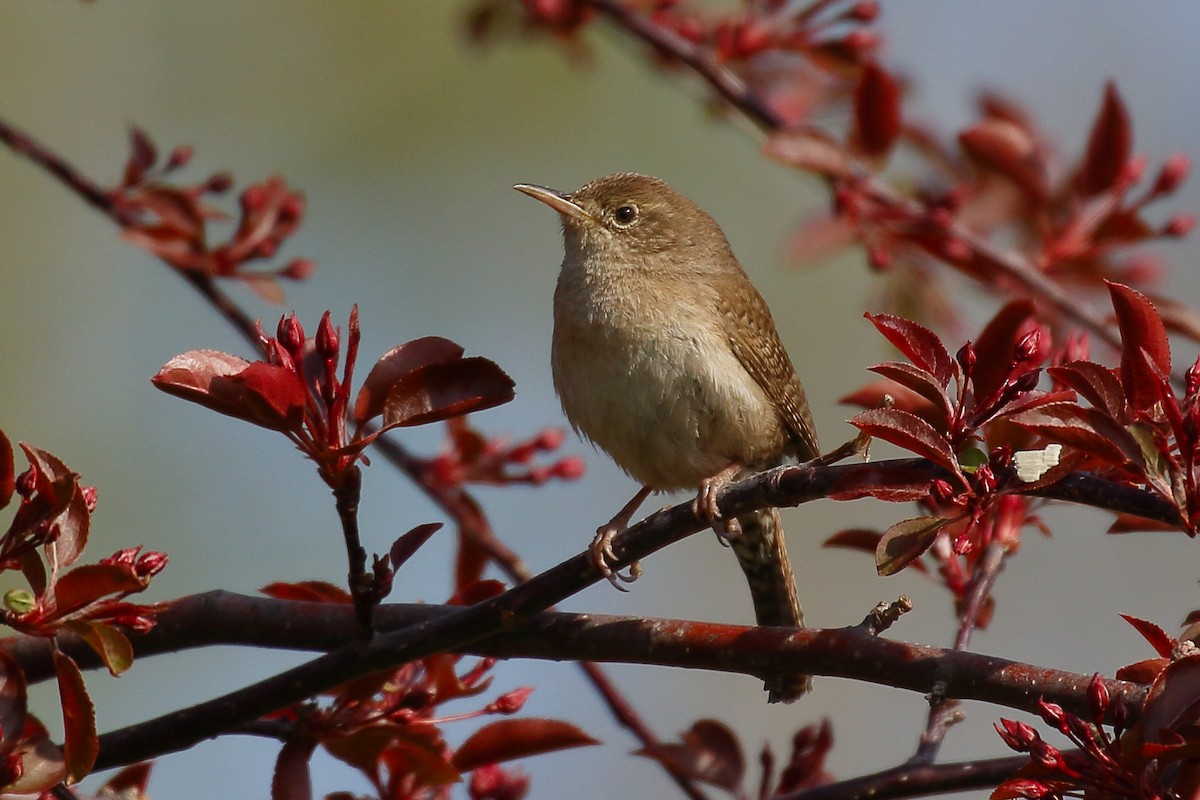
{"points": [[406, 142]]}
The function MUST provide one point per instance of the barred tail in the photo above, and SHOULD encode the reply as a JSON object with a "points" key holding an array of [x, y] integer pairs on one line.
{"points": [[762, 554]]}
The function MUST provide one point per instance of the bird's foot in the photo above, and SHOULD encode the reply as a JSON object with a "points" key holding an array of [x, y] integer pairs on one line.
{"points": [[601, 549], [705, 505], [603, 556]]}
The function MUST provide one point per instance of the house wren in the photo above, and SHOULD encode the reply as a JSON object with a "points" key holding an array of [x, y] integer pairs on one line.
{"points": [[667, 358]]}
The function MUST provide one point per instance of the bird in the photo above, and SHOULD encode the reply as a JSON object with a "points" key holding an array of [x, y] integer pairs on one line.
{"points": [[666, 357]]}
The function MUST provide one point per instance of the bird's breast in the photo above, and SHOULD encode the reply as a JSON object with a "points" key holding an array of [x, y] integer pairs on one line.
{"points": [[650, 378]]}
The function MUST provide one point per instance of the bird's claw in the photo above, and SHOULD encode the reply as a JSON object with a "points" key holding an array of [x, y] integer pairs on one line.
{"points": [[603, 556], [705, 507]]}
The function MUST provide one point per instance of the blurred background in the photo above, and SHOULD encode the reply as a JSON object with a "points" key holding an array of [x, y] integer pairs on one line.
{"points": [[406, 142]]}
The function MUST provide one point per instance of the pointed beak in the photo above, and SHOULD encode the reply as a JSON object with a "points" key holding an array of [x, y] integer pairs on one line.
{"points": [[560, 202]]}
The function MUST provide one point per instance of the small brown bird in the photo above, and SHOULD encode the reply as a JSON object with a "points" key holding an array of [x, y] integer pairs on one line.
{"points": [[667, 358]]}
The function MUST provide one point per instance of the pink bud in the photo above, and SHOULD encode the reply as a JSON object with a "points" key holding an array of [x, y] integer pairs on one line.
{"points": [[126, 557], [180, 157], [511, 702], [327, 337], [150, 564], [880, 258], [865, 11], [218, 183], [1133, 170], [550, 439], [1098, 697], [570, 468], [966, 357], [1174, 172], [1028, 346], [1053, 714], [90, 497], [253, 198], [299, 269], [1179, 225], [290, 333]]}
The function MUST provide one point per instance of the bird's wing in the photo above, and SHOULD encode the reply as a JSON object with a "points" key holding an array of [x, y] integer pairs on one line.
{"points": [[754, 340]]}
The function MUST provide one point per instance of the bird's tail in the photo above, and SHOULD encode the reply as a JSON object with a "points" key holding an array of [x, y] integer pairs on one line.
{"points": [[762, 554]]}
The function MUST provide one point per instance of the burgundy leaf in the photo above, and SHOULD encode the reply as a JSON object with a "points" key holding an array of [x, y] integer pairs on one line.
{"points": [[1010, 150], [517, 738], [894, 485], [310, 591], [91, 582], [891, 394], [920, 381], [808, 149], [395, 364], [1144, 671], [863, 539], [1085, 429], [177, 211], [1122, 227], [439, 391], [1163, 643], [1173, 702], [142, 155], [909, 432], [1141, 330], [8, 471], [264, 394], [13, 702], [129, 782], [905, 542], [877, 120], [1108, 145], [62, 505], [1096, 383], [919, 344], [994, 348], [1130, 523], [79, 719], [709, 752], [409, 543], [291, 779], [42, 762]]}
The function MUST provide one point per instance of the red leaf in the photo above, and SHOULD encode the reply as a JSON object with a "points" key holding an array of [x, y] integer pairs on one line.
{"points": [[1108, 145], [409, 543], [877, 120], [1173, 702], [79, 719], [919, 344], [42, 762], [872, 396], [132, 781], [311, 591], [905, 542], [1085, 429], [863, 539], [62, 505], [438, 391], [1098, 384], [1129, 523], [709, 752], [395, 364], [177, 211], [142, 155], [808, 149], [1141, 330], [1144, 671], [912, 433], [13, 702], [91, 582], [920, 381], [291, 779], [517, 738], [8, 471], [264, 394], [1163, 643], [892, 484], [1007, 148], [994, 348]]}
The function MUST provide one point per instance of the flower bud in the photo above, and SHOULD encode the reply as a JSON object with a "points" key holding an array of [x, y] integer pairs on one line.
{"points": [[966, 357], [1179, 226], [218, 183], [1028, 346], [90, 497], [550, 439], [327, 337], [150, 564], [299, 269], [290, 333], [1173, 173], [511, 702], [179, 157], [570, 468]]}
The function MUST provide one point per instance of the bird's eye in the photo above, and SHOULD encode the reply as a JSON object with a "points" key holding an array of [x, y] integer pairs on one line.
{"points": [[625, 215]]}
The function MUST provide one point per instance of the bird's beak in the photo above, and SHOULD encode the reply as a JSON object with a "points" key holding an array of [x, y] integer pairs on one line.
{"points": [[560, 202]]}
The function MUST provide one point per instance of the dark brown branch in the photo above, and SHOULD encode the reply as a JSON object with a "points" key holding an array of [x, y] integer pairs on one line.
{"points": [[408, 631], [916, 781]]}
